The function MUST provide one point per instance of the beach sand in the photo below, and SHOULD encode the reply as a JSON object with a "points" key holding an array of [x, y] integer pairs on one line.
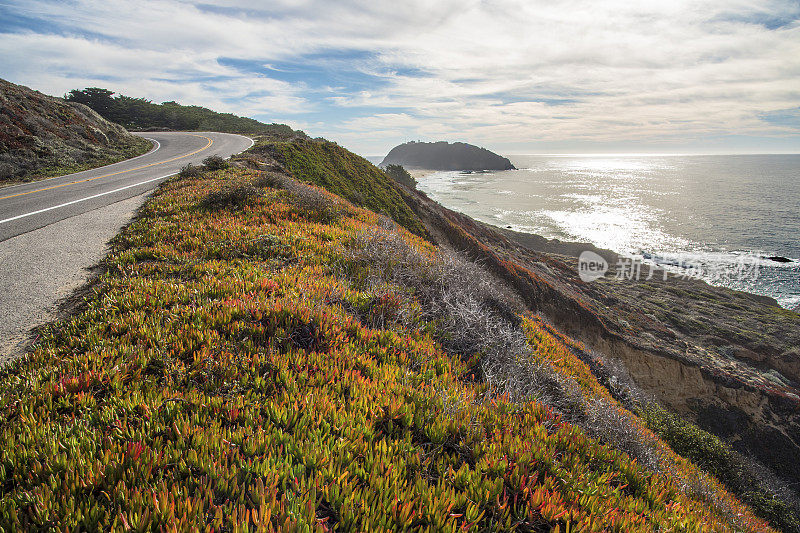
{"points": [[419, 173]]}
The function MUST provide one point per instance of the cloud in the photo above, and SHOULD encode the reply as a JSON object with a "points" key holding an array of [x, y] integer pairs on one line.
{"points": [[495, 72]]}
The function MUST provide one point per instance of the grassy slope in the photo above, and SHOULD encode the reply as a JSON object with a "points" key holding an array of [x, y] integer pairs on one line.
{"points": [[345, 174], [219, 376]]}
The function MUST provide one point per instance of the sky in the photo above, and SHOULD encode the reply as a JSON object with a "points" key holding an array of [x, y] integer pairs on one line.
{"points": [[515, 76]]}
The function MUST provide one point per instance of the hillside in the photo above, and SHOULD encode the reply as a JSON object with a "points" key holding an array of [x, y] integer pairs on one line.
{"points": [[262, 352], [44, 136], [720, 358], [445, 156], [142, 114], [345, 174], [724, 359]]}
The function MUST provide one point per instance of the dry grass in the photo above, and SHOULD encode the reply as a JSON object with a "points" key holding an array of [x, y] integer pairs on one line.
{"points": [[476, 316]]}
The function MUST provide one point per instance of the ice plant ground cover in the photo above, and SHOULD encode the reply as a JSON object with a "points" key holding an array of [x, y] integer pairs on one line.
{"points": [[233, 370]]}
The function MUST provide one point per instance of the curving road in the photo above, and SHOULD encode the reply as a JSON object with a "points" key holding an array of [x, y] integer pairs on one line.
{"points": [[52, 231], [31, 206]]}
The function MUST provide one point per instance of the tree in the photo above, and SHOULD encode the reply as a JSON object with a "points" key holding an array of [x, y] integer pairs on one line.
{"points": [[401, 175], [143, 114], [98, 99]]}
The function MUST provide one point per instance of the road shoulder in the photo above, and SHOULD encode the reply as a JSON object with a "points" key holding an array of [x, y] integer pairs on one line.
{"points": [[41, 270]]}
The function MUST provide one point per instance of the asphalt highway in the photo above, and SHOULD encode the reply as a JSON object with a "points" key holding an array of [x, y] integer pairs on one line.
{"points": [[31, 206], [52, 231]]}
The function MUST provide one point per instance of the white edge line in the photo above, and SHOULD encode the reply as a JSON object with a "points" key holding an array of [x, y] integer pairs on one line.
{"points": [[157, 147], [152, 150], [252, 142], [84, 199]]}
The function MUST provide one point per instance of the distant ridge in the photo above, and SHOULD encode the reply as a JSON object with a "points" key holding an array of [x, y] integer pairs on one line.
{"points": [[143, 115], [445, 156]]}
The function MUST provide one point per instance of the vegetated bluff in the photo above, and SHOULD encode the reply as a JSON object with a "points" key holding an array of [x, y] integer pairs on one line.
{"points": [[142, 114], [263, 355], [261, 351], [445, 156], [42, 136], [751, 411]]}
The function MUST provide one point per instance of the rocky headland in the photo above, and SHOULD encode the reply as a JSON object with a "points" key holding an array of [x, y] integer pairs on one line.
{"points": [[445, 156]]}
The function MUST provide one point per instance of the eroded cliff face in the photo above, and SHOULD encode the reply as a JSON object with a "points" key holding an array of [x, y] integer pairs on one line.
{"points": [[725, 360], [755, 422]]}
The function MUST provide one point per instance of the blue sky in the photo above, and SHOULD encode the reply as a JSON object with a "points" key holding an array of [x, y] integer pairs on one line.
{"points": [[516, 76]]}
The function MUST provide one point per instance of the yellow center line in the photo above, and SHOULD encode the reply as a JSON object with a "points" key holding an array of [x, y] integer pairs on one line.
{"points": [[210, 142]]}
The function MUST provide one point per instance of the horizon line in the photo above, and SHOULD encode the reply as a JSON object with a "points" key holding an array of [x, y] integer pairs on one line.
{"points": [[648, 153], [628, 154]]}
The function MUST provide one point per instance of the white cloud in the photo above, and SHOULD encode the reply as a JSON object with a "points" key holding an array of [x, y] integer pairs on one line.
{"points": [[495, 71]]}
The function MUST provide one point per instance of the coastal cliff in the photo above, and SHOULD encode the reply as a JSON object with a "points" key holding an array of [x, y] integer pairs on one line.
{"points": [[722, 359]]}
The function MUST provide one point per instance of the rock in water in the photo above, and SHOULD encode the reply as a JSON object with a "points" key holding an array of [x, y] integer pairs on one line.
{"points": [[779, 259], [445, 156]]}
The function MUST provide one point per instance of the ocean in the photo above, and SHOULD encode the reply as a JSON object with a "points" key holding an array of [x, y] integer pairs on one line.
{"points": [[718, 217]]}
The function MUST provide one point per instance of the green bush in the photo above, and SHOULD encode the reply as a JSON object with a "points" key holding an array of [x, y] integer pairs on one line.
{"points": [[215, 162], [401, 175], [718, 458], [190, 171], [232, 196]]}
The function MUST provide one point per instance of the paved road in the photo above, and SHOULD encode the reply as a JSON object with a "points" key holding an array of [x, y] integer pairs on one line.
{"points": [[52, 231], [31, 206]]}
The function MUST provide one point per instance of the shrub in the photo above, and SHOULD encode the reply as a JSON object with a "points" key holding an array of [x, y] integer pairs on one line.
{"points": [[270, 179], [215, 162], [312, 202], [6, 171], [231, 196], [190, 171]]}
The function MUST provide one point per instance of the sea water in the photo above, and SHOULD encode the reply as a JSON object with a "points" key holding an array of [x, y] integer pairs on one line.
{"points": [[720, 217]]}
